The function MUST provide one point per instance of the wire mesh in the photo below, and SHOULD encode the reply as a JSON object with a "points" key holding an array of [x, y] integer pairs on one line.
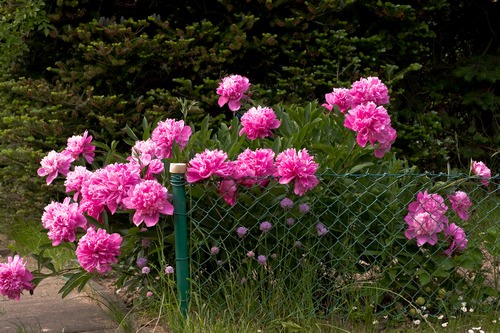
{"points": [[341, 249]]}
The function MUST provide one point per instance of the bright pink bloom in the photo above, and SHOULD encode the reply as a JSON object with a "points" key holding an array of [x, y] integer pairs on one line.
{"points": [[457, 238], [208, 163], [460, 203], [340, 97], [426, 218], [62, 221], [143, 152], [229, 189], [14, 278], [53, 164], [167, 133], [231, 90], [75, 180], [480, 169], [149, 199], [80, 145], [299, 167], [259, 123], [254, 167], [107, 187], [96, 251], [369, 89], [373, 125]]}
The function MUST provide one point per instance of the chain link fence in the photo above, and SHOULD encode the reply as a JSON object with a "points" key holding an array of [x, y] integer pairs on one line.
{"points": [[341, 249]]}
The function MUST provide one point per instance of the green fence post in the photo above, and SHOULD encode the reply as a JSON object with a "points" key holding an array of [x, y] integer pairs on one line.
{"points": [[181, 235]]}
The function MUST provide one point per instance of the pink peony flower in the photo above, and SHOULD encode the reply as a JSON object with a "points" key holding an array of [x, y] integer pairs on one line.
{"points": [[229, 189], [428, 203], [75, 180], [107, 187], [369, 89], [208, 163], [259, 123], [299, 167], [62, 221], [373, 125], [53, 164], [480, 169], [457, 238], [254, 167], [460, 203], [423, 227], [14, 278], [231, 90], [149, 199], [80, 145], [340, 97], [167, 133], [97, 250]]}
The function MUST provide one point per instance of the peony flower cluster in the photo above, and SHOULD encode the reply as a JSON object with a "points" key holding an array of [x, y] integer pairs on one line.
{"points": [[259, 122], [15, 278], [231, 90], [62, 220], [98, 250], [254, 167], [365, 114], [480, 169], [426, 219], [60, 163]]}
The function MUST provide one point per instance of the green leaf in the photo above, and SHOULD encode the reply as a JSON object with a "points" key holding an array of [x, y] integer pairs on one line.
{"points": [[75, 280]]}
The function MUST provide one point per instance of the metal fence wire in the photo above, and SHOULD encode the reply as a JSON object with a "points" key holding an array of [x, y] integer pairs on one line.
{"points": [[341, 249]]}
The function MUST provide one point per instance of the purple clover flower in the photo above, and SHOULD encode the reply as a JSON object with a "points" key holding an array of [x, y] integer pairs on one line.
{"points": [[286, 203], [261, 260], [241, 231], [265, 226], [321, 229]]}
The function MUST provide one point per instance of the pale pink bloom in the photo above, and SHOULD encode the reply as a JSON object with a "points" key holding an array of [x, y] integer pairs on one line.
{"points": [[373, 125], [167, 133], [149, 198], [149, 294], [207, 164], [304, 208], [457, 238], [265, 226], [169, 270], [298, 167], [81, 145], [460, 203], [107, 187], [62, 220], [480, 169], [53, 164], [259, 122], [286, 203], [321, 229], [14, 278], [369, 89], [231, 90], [75, 180], [290, 221], [98, 250], [144, 156], [229, 190], [214, 250], [254, 167], [340, 97], [145, 270], [250, 254], [241, 231]]}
